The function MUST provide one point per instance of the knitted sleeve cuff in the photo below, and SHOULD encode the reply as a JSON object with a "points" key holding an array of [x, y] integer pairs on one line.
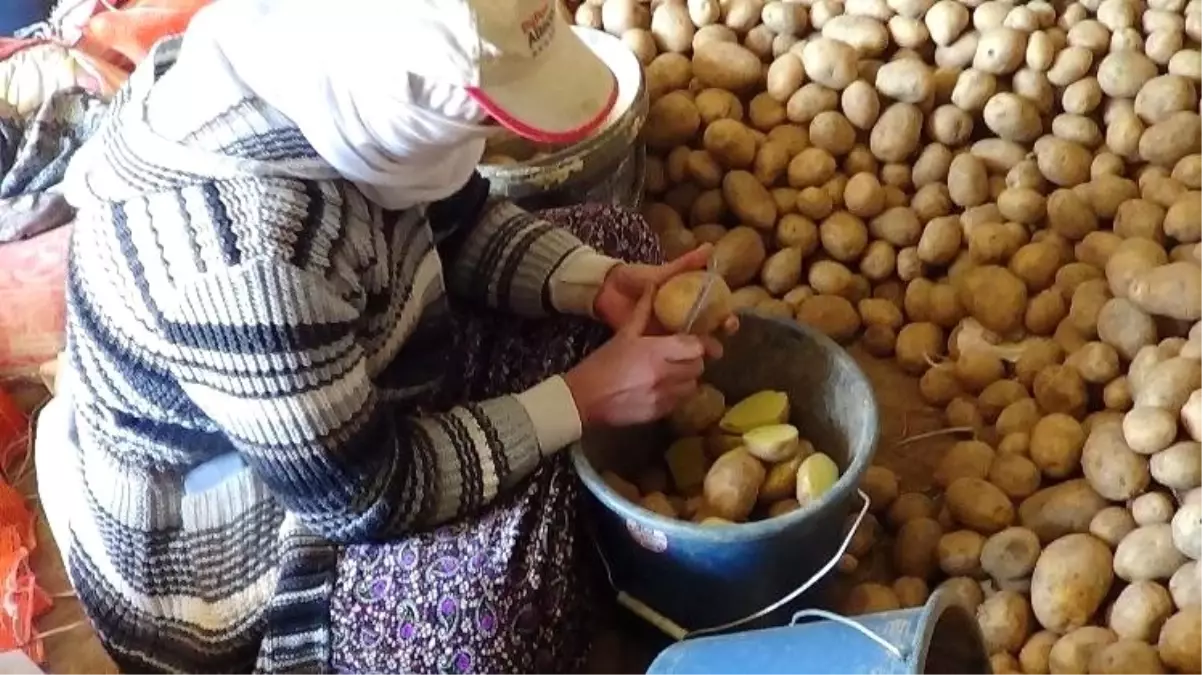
{"points": [[574, 285], [553, 413]]}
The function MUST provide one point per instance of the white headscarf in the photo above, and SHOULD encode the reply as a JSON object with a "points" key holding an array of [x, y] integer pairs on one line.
{"points": [[343, 71]]}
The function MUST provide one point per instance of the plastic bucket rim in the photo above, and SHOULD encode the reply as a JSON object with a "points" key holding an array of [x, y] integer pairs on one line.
{"points": [[629, 118], [846, 486]]}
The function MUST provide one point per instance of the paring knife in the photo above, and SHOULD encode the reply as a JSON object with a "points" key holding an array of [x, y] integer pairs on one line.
{"points": [[711, 274]]}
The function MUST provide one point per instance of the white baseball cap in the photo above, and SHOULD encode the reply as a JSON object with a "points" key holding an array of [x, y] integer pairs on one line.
{"points": [[523, 63], [519, 60]]}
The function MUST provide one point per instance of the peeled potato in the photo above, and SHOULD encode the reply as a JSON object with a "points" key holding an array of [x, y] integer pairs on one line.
{"points": [[675, 299], [815, 477], [773, 443], [758, 410], [688, 463]]}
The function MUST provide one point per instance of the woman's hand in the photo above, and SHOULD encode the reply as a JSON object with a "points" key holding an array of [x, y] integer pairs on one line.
{"points": [[635, 377], [626, 283]]}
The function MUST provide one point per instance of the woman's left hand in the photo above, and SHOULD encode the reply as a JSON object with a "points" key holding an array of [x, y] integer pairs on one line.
{"points": [[625, 283]]}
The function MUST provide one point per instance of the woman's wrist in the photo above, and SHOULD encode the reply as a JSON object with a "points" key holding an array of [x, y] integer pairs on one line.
{"points": [[553, 414], [574, 285]]}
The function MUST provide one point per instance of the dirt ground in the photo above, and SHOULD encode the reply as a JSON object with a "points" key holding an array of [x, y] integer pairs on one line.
{"points": [[902, 415]]}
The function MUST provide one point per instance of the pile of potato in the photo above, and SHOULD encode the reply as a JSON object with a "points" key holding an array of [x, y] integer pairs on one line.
{"points": [[1003, 197], [730, 466]]}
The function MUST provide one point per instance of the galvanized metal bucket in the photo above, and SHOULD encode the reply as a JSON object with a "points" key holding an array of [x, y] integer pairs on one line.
{"points": [[608, 167]]}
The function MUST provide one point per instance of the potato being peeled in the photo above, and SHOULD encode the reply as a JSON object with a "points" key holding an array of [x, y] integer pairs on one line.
{"points": [[675, 299]]}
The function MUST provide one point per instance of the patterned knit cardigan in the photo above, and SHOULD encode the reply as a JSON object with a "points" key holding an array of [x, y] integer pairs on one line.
{"points": [[228, 294]]}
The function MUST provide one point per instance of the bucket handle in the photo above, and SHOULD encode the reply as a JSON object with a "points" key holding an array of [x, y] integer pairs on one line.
{"points": [[867, 632], [677, 632]]}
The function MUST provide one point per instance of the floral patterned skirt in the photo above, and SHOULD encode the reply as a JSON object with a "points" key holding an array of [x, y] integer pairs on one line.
{"points": [[508, 590]]}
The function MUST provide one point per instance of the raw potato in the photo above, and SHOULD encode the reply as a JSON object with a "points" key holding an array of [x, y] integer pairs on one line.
{"points": [[1112, 468], [1061, 509], [1073, 652], [1005, 621], [829, 62], [959, 552], [1112, 524], [1070, 581], [1173, 290], [881, 486], [781, 482], [1036, 653], [1126, 656], [1187, 529], [1147, 554], [699, 412], [671, 121], [731, 143], [1014, 474], [1185, 586], [1152, 508], [1056, 444], [1149, 430], [1178, 645], [675, 300], [833, 315], [916, 343], [979, 505], [1010, 554], [732, 485], [748, 199], [908, 506], [726, 65], [870, 598], [758, 410], [994, 296], [915, 552], [1179, 466], [739, 255], [911, 591], [1140, 610]]}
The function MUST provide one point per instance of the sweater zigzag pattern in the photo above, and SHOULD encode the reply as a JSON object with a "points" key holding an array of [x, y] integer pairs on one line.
{"points": [[227, 294]]}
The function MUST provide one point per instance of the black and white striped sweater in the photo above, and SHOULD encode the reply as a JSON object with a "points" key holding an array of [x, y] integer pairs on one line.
{"points": [[227, 294]]}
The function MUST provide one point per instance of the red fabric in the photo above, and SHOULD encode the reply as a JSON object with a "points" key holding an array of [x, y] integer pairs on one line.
{"points": [[22, 601], [13, 426], [33, 304], [10, 46]]}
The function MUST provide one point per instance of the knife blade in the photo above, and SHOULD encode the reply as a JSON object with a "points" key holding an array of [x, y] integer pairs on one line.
{"points": [[695, 311]]}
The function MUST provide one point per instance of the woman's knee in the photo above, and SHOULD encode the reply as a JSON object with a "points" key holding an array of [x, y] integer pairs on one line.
{"points": [[613, 230]]}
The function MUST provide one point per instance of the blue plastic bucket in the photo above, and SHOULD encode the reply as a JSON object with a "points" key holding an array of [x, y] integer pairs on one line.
{"points": [[939, 637], [17, 14], [683, 577]]}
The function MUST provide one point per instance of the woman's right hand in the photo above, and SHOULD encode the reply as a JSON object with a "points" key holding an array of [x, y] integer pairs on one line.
{"points": [[636, 378]]}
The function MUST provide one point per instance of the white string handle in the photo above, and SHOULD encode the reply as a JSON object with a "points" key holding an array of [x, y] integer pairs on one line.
{"points": [[853, 624], [677, 632]]}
